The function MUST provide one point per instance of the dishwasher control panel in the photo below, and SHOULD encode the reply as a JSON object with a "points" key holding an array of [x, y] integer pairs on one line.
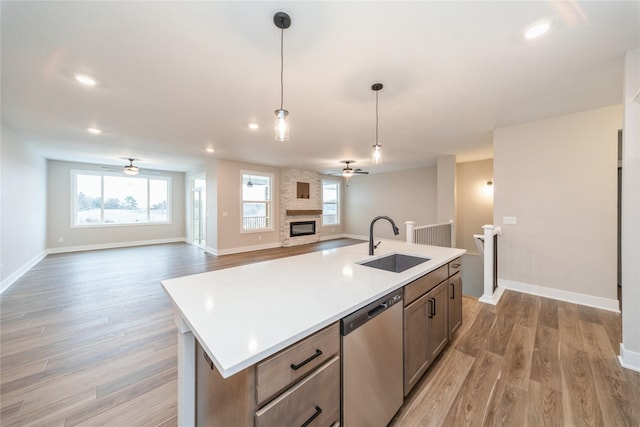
{"points": [[362, 316]]}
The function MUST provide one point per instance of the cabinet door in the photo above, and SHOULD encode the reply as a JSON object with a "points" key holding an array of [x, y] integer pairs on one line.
{"points": [[416, 356], [438, 325], [455, 303]]}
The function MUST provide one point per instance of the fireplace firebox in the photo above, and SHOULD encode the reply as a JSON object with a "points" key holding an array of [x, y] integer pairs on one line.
{"points": [[302, 228]]}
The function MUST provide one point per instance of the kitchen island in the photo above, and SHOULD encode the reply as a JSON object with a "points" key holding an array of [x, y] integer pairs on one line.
{"points": [[243, 315]]}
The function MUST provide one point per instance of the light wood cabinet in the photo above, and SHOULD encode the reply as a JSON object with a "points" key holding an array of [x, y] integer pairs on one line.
{"points": [[300, 383], [426, 333], [416, 353], [432, 313], [455, 303], [314, 401], [437, 320], [279, 371]]}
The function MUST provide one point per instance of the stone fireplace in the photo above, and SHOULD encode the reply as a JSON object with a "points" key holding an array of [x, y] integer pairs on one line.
{"points": [[300, 203]]}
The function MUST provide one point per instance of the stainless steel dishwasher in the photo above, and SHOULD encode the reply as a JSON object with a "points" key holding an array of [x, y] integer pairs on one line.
{"points": [[372, 363]]}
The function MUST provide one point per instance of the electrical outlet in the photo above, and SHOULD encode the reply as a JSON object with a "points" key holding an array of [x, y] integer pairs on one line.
{"points": [[60, 239]]}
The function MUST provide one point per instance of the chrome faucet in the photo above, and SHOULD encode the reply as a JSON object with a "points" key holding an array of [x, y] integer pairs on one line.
{"points": [[373, 221]]}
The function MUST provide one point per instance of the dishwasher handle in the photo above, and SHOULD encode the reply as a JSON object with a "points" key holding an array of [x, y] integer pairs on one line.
{"points": [[379, 309]]}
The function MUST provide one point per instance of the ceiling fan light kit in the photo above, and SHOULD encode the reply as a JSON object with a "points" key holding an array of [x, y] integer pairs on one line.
{"points": [[130, 169], [282, 21], [376, 153]]}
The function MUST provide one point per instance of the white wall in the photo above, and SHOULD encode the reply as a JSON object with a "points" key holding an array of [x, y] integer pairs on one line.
{"points": [[630, 347], [230, 239], [59, 215], [23, 207], [446, 202], [408, 195], [559, 178], [474, 201]]}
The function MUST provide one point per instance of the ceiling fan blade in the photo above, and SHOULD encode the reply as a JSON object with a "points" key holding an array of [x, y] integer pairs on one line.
{"points": [[361, 172]]}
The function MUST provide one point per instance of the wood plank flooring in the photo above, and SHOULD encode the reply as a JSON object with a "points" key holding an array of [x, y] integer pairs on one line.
{"points": [[530, 361], [89, 339]]}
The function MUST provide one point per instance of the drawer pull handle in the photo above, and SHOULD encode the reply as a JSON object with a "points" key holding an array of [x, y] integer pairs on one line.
{"points": [[455, 265], [312, 417], [307, 360]]}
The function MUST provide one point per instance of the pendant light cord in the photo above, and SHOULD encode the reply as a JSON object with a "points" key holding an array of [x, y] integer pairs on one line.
{"points": [[376, 117], [281, 67]]}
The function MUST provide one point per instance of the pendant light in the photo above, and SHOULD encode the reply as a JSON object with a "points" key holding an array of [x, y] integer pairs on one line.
{"points": [[282, 21], [376, 153]]}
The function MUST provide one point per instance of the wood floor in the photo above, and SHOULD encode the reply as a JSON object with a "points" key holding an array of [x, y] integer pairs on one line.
{"points": [[89, 339]]}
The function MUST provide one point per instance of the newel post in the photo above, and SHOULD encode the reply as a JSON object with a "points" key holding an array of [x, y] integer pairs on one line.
{"points": [[492, 292], [410, 226]]}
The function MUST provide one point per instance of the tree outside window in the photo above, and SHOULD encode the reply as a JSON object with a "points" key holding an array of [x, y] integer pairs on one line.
{"points": [[103, 199]]}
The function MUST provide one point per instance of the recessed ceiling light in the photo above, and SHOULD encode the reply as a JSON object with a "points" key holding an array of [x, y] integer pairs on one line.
{"points": [[253, 126], [209, 150], [85, 80], [536, 30], [94, 131]]}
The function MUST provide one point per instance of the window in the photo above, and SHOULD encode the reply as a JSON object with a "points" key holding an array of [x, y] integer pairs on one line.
{"points": [[112, 199], [330, 203], [256, 201]]}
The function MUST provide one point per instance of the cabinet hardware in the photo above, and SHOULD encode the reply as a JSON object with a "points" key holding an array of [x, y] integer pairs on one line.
{"points": [[312, 417], [434, 306], [455, 265], [453, 291], [307, 360], [430, 308], [208, 359]]}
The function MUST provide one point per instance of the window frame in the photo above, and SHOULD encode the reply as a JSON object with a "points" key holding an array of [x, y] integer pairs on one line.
{"points": [[269, 203], [337, 203], [74, 199]]}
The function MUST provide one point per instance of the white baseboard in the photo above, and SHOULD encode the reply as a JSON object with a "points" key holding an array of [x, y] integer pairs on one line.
{"points": [[210, 250], [13, 277], [562, 295], [629, 359], [332, 237], [243, 249], [492, 299], [114, 245]]}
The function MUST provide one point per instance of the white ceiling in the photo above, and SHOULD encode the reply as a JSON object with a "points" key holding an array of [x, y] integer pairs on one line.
{"points": [[175, 77]]}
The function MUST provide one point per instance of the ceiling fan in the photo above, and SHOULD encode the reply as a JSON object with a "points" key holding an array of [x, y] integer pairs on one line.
{"points": [[348, 171], [129, 169]]}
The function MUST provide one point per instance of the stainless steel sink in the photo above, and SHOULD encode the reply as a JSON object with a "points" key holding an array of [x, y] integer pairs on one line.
{"points": [[396, 263]]}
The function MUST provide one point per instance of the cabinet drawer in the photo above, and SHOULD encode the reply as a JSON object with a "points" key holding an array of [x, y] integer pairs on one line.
{"points": [[292, 364], [316, 398], [419, 287], [455, 266]]}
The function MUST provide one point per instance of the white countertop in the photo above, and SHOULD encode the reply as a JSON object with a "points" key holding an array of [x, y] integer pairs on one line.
{"points": [[244, 314]]}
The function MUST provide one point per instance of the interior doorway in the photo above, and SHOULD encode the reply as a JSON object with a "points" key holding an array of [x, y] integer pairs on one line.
{"points": [[199, 211]]}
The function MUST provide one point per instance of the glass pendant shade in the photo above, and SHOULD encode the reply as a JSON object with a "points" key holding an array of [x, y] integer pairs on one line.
{"points": [[376, 154], [282, 125]]}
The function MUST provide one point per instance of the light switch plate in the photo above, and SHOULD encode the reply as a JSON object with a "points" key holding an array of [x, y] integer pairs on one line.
{"points": [[511, 220]]}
